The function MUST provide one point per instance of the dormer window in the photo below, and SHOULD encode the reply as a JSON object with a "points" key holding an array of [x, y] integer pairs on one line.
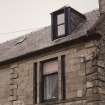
{"points": [[64, 21], [60, 23]]}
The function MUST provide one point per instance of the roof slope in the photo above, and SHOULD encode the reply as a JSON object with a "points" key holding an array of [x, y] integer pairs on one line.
{"points": [[41, 39]]}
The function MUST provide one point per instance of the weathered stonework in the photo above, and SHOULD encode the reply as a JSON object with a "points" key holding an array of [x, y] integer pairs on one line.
{"points": [[78, 67], [13, 85]]}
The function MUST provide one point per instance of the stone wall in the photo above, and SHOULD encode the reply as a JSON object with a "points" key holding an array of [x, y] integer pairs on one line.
{"points": [[99, 64], [4, 85], [21, 82]]}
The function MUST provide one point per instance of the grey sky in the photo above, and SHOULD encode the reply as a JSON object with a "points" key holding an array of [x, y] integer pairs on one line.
{"points": [[30, 15]]}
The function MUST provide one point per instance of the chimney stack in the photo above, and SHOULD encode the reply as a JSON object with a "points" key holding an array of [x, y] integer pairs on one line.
{"points": [[102, 6]]}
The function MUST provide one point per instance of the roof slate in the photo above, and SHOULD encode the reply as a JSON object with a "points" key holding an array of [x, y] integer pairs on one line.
{"points": [[42, 39]]}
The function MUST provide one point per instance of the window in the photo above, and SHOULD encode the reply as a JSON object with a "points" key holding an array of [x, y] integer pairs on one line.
{"points": [[64, 21], [60, 23], [50, 80]]}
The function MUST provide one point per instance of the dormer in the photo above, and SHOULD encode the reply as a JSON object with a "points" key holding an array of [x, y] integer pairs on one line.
{"points": [[64, 21]]}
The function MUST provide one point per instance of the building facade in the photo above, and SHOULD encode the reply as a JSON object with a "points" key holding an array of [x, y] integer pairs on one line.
{"points": [[62, 64]]}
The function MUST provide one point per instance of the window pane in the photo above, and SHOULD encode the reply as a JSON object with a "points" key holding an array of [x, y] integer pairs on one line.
{"points": [[50, 67], [60, 19], [50, 86], [61, 30]]}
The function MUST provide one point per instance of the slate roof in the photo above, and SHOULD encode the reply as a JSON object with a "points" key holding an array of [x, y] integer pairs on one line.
{"points": [[42, 39]]}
